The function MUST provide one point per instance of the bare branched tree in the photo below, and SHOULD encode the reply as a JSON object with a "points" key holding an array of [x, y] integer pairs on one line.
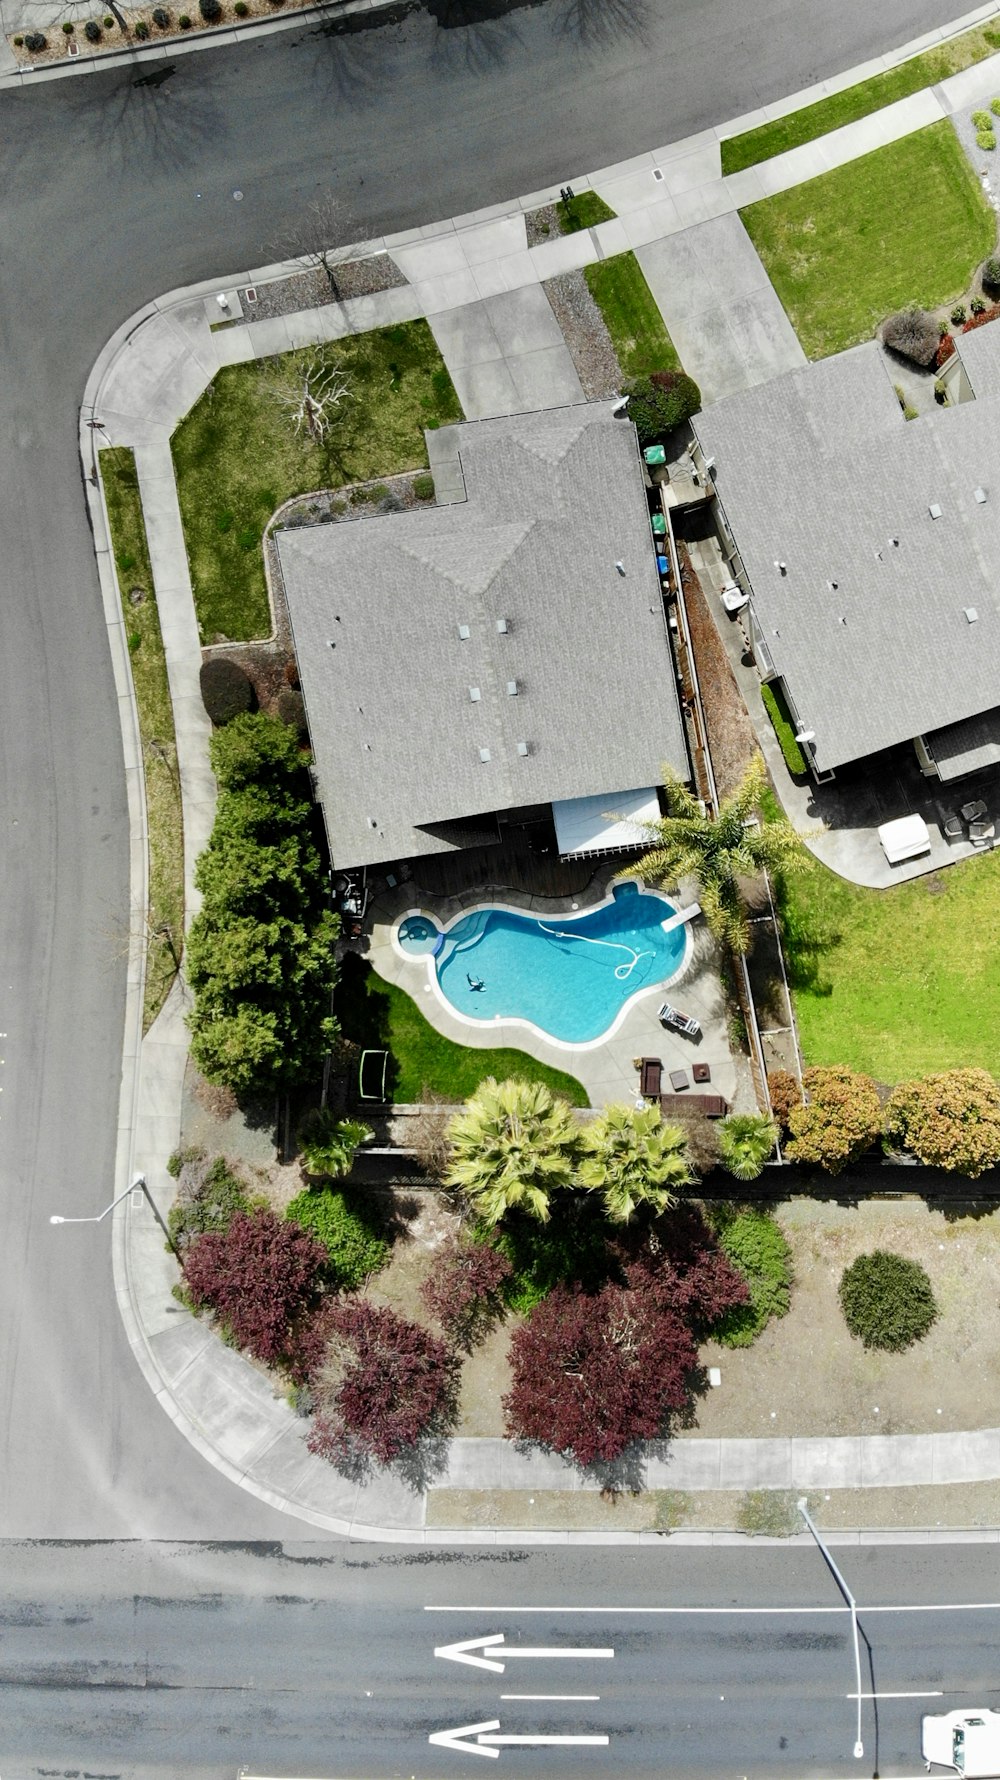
{"points": [[319, 240], [310, 391]]}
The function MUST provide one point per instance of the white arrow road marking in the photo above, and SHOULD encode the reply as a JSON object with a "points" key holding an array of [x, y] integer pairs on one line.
{"points": [[463, 1652], [457, 1739], [492, 1738]]}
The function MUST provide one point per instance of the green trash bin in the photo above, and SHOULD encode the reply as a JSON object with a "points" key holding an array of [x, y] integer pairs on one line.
{"points": [[655, 454], [659, 525]]}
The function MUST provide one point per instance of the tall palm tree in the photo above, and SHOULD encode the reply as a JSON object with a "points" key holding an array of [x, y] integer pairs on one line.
{"points": [[718, 853], [512, 1146], [745, 1142], [634, 1159]]}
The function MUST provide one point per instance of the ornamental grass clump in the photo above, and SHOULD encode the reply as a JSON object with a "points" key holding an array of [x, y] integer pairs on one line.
{"points": [[913, 333], [887, 1301]]}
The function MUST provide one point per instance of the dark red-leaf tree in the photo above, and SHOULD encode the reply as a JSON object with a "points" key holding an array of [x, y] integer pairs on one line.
{"points": [[465, 1291], [259, 1276], [384, 1383]]}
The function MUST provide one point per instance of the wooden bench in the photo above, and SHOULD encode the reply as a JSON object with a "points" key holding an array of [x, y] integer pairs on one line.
{"points": [[650, 1077], [711, 1106]]}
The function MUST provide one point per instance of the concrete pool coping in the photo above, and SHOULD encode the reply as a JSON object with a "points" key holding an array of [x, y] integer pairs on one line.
{"points": [[606, 1071], [498, 1024]]}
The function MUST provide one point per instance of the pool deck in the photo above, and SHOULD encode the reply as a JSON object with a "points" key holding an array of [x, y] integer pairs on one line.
{"points": [[606, 1070]]}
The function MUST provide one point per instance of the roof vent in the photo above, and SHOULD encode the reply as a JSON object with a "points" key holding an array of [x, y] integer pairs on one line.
{"points": [[372, 823], [502, 626], [474, 694], [464, 632], [934, 510], [895, 543], [833, 585], [484, 755], [512, 688], [782, 568], [970, 613], [523, 749], [979, 494]]}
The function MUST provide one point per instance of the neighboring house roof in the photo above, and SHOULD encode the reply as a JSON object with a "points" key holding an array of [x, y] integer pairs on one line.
{"points": [[564, 655], [869, 624]]}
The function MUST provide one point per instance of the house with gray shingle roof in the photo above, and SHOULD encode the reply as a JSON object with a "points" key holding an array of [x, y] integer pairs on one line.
{"points": [[464, 662], [870, 547]]}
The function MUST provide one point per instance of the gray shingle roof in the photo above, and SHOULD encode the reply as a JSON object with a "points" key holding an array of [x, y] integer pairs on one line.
{"points": [[820, 471], [554, 502]]}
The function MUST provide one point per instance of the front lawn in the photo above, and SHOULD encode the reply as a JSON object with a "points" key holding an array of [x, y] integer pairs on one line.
{"points": [[237, 457], [631, 316], [423, 1063], [907, 224], [898, 982]]}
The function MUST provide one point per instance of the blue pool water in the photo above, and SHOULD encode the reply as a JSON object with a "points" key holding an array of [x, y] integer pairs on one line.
{"points": [[569, 975]]}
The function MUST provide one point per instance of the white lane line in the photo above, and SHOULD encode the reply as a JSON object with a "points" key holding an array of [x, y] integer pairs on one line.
{"points": [[935, 1693], [610, 1612], [550, 1696]]}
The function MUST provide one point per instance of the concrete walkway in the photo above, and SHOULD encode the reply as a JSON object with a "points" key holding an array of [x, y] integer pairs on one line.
{"points": [[476, 281]]}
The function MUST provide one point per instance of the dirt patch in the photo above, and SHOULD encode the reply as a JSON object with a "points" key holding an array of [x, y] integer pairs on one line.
{"points": [[731, 738], [807, 1376], [543, 224]]}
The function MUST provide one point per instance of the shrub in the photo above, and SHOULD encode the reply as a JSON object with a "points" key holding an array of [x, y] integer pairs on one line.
{"points": [[354, 1249], [211, 10], [785, 1094], [184, 22], [68, 27], [569, 1248], [18, 41], [746, 1141], [945, 350], [385, 1383], [951, 1120], [292, 673], [659, 403], [986, 140], [92, 31], [958, 314], [226, 690], [841, 1119], [887, 1300], [290, 708], [978, 321], [259, 1276], [209, 1201], [756, 1246], [108, 22], [35, 41], [995, 107], [912, 333], [161, 17], [241, 9], [982, 120], [423, 486], [778, 713], [330, 1144], [141, 29], [465, 1291], [978, 306], [944, 327]]}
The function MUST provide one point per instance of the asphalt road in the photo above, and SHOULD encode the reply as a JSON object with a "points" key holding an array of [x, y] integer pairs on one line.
{"points": [[114, 188], [200, 1661]]}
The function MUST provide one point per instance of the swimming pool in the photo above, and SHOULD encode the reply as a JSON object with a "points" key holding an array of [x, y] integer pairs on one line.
{"points": [[568, 976]]}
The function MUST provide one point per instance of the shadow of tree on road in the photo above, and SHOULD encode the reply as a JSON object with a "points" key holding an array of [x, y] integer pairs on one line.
{"points": [[142, 115]]}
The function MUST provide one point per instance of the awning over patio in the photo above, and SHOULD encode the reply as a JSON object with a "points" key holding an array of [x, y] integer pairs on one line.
{"points": [[607, 823]]}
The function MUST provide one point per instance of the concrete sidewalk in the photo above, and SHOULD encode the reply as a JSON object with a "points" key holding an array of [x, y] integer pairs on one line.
{"points": [[476, 281]]}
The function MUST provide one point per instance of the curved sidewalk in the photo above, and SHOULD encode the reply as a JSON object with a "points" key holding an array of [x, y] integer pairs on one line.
{"points": [[148, 375]]}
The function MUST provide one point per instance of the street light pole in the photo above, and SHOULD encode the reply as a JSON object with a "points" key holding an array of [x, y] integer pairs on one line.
{"points": [[803, 1509], [137, 1185]]}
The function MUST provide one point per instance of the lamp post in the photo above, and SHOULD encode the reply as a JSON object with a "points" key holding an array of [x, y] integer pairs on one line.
{"points": [[137, 1185], [803, 1509]]}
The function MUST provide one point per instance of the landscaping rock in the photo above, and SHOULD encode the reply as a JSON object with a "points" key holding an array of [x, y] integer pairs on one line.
{"points": [[586, 335]]}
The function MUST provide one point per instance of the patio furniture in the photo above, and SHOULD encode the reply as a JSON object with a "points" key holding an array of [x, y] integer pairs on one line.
{"points": [[981, 833], [701, 1072], [679, 1080], [971, 812], [711, 1106], [672, 1017], [372, 1074], [951, 828], [650, 1077], [906, 838]]}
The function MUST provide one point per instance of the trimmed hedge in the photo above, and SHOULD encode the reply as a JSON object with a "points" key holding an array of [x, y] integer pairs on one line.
{"points": [[355, 1249], [659, 403], [781, 723], [887, 1300], [757, 1248]]}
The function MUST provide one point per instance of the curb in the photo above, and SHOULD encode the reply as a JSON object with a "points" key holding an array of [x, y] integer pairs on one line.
{"points": [[125, 1287]]}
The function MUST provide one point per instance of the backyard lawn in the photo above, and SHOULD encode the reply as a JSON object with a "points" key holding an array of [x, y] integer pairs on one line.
{"points": [[165, 915], [237, 457], [861, 100], [898, 982], [907, 224], [635, 324], [423, 1062]]}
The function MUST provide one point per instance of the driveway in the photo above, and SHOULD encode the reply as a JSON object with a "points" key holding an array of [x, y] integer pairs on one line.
{"points": [[506, 354], [721, 310]]}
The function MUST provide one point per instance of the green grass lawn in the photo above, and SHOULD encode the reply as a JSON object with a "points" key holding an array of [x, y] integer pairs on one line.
{"points": [[237, 457], [635, 324], [156, 727], [423, 1063], [583, 211], [858, 101], [896, 982], [907, 224]]}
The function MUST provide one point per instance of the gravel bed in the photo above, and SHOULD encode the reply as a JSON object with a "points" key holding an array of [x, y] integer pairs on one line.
{"points": [[585, 334], [542, 225], [311, 289]]}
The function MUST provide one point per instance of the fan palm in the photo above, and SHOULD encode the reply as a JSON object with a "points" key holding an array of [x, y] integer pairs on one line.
{"points": [[719, 852], [745, 1142], [512, 1146], [329, 1145], [634, 1159]]}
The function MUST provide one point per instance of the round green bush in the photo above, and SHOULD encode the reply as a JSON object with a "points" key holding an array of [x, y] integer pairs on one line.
{"points": [[18, 41], [34, 41], [986, 140], [423, 486], [354, 1247], [184, 22], [68, 27], [161, 17], [995, 107], [887, 1300], [989, 272], [241, 9], [226, 690], [141, 29], [661, 402], [211, 11]]}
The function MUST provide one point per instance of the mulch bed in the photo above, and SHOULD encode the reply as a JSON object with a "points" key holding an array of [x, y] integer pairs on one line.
{"points": [[586, 335], [731, 737], [311, 289]]}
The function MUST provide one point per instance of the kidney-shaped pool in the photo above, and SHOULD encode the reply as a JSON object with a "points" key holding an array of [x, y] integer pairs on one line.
{"points": [[570, 976]]}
